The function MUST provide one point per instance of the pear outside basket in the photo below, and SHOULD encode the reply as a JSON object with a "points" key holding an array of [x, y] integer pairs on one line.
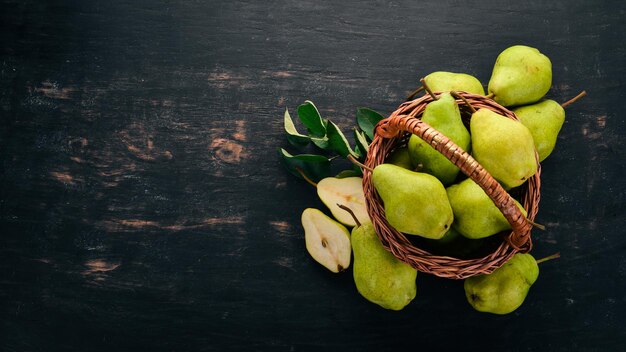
{"points": [[394, 132]]}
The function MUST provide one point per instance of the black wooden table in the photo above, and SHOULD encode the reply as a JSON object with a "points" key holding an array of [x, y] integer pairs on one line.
{"points": [[143, 205]]}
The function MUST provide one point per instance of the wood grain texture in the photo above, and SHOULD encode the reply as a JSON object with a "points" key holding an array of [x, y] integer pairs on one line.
{"points": [[143, 206]]}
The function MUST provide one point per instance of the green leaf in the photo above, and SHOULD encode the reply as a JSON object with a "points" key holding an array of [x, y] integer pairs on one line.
{"points": [[293, 136], [311, 118], [337, 141], [367, 119], [349, 173], [362, 146], [320, 142], [315, 167]]}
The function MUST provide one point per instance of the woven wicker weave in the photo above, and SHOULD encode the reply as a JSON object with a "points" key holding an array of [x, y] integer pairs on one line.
{"points": [[393, 132]]}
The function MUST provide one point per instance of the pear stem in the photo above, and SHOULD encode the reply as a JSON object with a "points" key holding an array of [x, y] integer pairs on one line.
{"points": [[458, 96], [550, 257], [359, 164], [414, 93], [574, 99], [430, 92], [305, 177], [358, 224], [539, 226], [490, 95]]}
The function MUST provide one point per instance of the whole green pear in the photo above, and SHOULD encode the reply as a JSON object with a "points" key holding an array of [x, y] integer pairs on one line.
{"points": [[544, 120], [504, 290], [379, 276], [521, 75], [450, 236], [442, 81], [475, 214], [443, 115], [504, 147], [415, 203], [400, 157]]}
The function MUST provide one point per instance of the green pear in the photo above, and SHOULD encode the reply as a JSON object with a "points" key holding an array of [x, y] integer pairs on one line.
{"points": [[504, 290], [475, 214], [521, 75], [327, 241], [544, 120], [379, 276], [400, 157], [504, 147], [442, 81], [347, 191], [415, 203], [443, 115], [450, 236]]}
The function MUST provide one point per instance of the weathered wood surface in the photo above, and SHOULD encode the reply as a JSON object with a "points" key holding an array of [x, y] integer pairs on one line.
{"points": [[142, 204]]}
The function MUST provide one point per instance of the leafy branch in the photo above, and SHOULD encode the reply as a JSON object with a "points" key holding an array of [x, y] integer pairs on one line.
{"points": [[329, 142]]}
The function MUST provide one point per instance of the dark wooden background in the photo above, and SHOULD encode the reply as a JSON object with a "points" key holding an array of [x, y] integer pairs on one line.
{"points": [[143, 206]]}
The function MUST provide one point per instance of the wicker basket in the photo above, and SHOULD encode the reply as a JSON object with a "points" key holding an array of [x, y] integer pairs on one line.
{"points": [[393, 132]]}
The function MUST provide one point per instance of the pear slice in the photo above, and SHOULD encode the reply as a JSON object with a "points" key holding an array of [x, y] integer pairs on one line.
{"points": [[327, 241], [345, 191]]}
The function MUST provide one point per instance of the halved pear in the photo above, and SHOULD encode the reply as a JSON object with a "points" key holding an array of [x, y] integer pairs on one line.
{"points": [[345, 191], [327, 241]]}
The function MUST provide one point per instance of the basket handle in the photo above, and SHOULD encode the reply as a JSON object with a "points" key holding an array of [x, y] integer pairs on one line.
{"points": [[390, 127]]}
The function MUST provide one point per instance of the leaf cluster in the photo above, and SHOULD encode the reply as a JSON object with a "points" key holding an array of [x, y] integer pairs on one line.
{"points": [[329, 142]]}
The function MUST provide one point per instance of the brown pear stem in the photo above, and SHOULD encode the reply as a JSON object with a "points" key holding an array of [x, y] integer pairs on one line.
{"points": [[458, 96], [358, 224], [574, 99], [539, 226], [414, 93], [305, 177], [490, 95], [430, 92], [359, 164], [550, 257]]}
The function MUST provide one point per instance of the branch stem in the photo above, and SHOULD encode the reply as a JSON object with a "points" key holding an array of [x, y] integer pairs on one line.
{"points": [[359, 164], [305, 177]]}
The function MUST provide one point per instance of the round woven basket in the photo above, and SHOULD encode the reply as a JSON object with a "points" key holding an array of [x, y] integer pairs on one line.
{"points": [[393, 132]]}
